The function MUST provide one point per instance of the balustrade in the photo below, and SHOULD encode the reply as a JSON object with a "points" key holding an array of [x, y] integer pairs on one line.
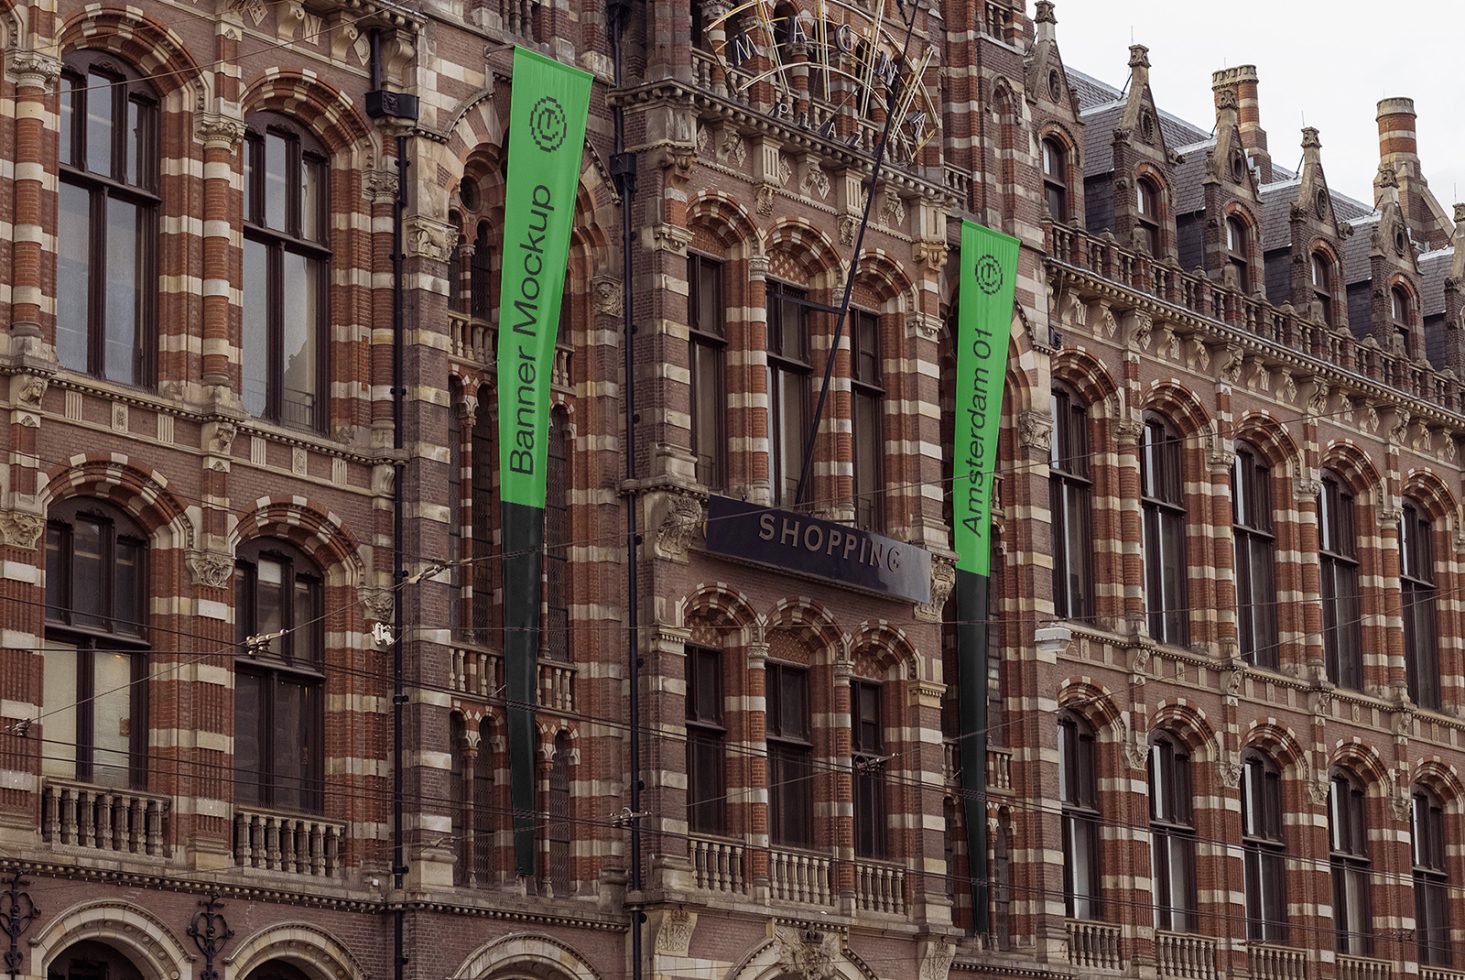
{"points": [[799, 876], [880, 887], [1094, 945], [288, 844], [1276, 962], [717, 866], [104, 819], [1183, 955]]}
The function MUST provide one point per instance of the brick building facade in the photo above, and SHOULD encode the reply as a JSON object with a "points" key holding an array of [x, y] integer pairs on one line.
{"points": [[1225, 716]]}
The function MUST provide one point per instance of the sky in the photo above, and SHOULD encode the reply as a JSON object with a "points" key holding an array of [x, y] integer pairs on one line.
{"points": [[1327, 62]]}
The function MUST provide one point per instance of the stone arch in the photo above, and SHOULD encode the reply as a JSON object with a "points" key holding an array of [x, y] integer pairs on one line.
{"points": [[1442, 778], [12, 27], [1426, 488], [1352, 465], [328, 112], [1179, 404], [154, 49], [726, 220], [779, 957], [539, 955], [1187, 723], [549, 731], [1094, 703], [1088, 377], [143, 494], [316, 531], [889, 647], [722, 603], [1269, 436], [880, 273], [1363, 761], [813, 620], [1278, 741], [314, 951], [133, 930], [807, 250]]}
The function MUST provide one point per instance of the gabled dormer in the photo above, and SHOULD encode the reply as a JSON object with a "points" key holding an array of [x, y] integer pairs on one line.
{"points": [[1227, 228], [1442, 278], [1141, 180], [1302, 240], [1055, 113], [1384, 296]]}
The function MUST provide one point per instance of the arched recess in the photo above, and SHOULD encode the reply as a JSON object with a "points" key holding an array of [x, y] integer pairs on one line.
{"points": [[727, 222], [887, 647], [154, 49], [781, 957], [323, 109], [1276, 741], [810, 622], [1353, 467], [1432, 493], [316, 531], [131, 929], [1179, 404], [1442, 779], [1087, 376], [314, 951], [802, 253], [1095, 704], [719, 607], [525, 953], [144, 494], [1363, 761], [1189, 724], [1270, 436]]}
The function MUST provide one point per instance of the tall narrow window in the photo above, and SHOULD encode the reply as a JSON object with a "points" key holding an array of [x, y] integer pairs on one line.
{"points": [[1147, 201], [107, 221], [1348, 839], [956, 880], [481, 299], [1078, 787], [1417, 588], [1172, 836], [1238, 251], [1070, 496], [868, 390], [1265, 852], [483, 611], [1055, 178], [559, 874], [790, 756], [1162, 490], [1338, 561], [474, 811], [1322, 285], [706, 786], [485, 808], [708, 324], [868, 747], [789, 371], [557, 542], [456, 293], [279, 711], [1256, 549], [1401, 311], [286, 258], [93, 700], [1431, 880]]}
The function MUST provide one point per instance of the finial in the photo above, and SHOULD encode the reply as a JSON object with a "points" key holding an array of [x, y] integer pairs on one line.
{"points": [[1139, 56], [1310, 139]]}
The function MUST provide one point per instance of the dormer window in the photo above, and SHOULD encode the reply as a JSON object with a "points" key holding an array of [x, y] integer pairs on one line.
{"points": [[1402, 315], [1237, 249], [1147, 199], [1055, 178], [1322, 285]]}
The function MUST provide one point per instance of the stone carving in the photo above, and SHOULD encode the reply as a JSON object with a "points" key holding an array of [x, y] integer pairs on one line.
{"points": [[936, 958], [1035, 430], [31, 69], [1140, 329], [679, 524], [1317, 398], [210, 569], [733, 147], [429, 238], [785, 172], [19, 530], [1231, 366], [606, 296], [703, 138], [1318, 789], [848, 225], [816, 182], [30, 389], [1229, 772], [379, 186], [221, 439], [809, 953], [1137, 754], [674, 938], [1400, 805], [763, 196], [1198, 358], [943, 580], [217, 131], [892, 210], [380, 604], [1128, 431]]}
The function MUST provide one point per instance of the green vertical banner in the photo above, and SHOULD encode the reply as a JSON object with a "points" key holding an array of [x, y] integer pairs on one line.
{"points": [[988, 287], [551, 103]]}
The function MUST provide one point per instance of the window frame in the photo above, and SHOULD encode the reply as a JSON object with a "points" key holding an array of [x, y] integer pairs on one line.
{"points": [[867, 763], [1322, 267], [1350, 865], [709, 340], [1340, 573], [797, 367], [1418, 593], [1238, 249], [1431, 878], [1401, 315], [706, 813], [557, 634], [1264, 849], [1254, 553], [1151, 219], [1172, 834], [867, 389], [790, 758], [1078, 792], [1163, 511], [1070, 503], [1054, 161]]}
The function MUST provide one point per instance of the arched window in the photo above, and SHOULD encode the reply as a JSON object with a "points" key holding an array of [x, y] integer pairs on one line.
{"points": [[457, 295], [286, 265], [107, 221], [559, 874], [706, 738], [279, 712], [1265, 852], [707, 321], [1070, 501], [1172, 836], [94, 696], [867, 733], [1055, 178], [1338, 562], [92, 960], [1256, 545], [1322, 285], [481, 301], [1431, 880], [474, 811], [1147, 200], [486, 812], [955, 879], [867, 424], [484, 608], [1238, 251], [1163, 503], [556, 641], [1078, 786], [1348, 841], [1417, 588], [789, 373], [1401, 312]]}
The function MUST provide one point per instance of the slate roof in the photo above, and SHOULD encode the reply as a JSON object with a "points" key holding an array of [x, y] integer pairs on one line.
{"points": [[1434, 269], [1277, 200], [1098, 138], [1356, 265], [1189, 177]]}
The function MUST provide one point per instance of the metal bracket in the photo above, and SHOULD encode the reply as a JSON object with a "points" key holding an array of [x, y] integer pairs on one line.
{"points": [[17, 912]]}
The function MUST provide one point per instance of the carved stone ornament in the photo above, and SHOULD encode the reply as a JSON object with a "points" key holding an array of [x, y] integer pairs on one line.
{"points": [[1229, 772], [937, 956], [816, 182], [679, 524], [670, 238], [1128, 431], [943, 581], [1035, 430], [1306, 489], [674, 938], [1234, 359], [20, 530], [429, 238], [606, 296], [808, 953], [1400, 805], [1137, 754], [32, 69], [892, 210], [217, 131], [1318, 790], [221, 439], [763, 196], [211, 569], [379, 186], [28, 390], [733, 147], [848, 225], [380, 604]]}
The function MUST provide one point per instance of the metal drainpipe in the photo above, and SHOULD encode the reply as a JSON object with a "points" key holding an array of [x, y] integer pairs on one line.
{"points": [[623, 169], [399, 696]]}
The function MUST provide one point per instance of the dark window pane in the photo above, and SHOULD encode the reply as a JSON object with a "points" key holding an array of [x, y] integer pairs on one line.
{"points": [[74, 270], [70, 96], [302, 278], [88, 582], [256, 348], [312, 199], [289, 738], [126, 245], [249, 708]]}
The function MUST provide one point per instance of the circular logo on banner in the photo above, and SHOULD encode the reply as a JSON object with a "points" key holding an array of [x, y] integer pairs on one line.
{"points": [[547, 124], [989, 274]]}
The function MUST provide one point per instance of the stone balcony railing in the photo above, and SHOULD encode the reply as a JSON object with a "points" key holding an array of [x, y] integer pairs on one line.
{"points": [[1364, 968], [1266, 962], [476, 341], [101, 818], [717, 865], [999, 765], [1094, 945], [1247, 316], [800, 876], [289, 843], [480, 673], [1440, 973], [1186, 956], [880, 887]]}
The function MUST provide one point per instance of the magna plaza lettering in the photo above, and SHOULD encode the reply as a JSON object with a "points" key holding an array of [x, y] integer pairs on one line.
{"points": [[527, 323]]}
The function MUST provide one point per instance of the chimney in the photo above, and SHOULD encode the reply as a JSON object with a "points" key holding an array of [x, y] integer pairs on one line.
{"points": [[1242, 80], [1045, 23], [1139, 68]]}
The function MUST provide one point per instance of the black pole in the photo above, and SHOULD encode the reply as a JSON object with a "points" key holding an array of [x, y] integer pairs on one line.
{"points": [[399, 696], [972, 600], [623, 169], [800, 493]]}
